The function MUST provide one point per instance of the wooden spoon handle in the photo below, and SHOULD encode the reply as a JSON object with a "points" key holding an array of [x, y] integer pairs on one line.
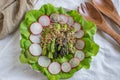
{"points": [[116, 19], [114, 35], [107, 29]]}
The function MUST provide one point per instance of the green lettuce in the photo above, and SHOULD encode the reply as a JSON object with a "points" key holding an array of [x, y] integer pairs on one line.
{"points": [[91, 48]]}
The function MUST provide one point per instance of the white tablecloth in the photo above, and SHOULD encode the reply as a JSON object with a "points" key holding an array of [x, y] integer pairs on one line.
{"points": [[105, 66]]}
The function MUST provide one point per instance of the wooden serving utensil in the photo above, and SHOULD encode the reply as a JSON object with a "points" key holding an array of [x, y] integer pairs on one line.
{"points": [[107, 8], [89, 12]]}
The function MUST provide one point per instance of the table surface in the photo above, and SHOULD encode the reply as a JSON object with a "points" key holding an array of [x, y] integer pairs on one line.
{"points": [[104, 66]]}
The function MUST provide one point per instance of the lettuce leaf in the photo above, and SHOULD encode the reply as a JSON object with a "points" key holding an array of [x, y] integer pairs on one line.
{"points": [[91, 48]]}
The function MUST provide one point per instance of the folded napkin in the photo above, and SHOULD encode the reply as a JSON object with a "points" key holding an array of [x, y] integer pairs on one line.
{"points": [[11, 13]]}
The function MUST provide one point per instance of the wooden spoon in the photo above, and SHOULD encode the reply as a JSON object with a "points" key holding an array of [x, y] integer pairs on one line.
{"points": [[107, 8], [89, 12]]}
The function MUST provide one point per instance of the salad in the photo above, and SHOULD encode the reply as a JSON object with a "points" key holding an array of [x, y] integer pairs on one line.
{"points": [[56, 42]]}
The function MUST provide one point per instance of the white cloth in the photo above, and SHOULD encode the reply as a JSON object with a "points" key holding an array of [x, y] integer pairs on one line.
{"points": [[104, 66]]}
